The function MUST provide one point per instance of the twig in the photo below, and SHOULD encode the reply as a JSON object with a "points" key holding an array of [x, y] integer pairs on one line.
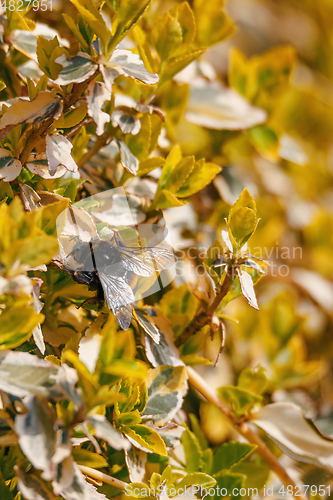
{"points": [[99, 144], [96, 474], [205, 316], [244, 430]]}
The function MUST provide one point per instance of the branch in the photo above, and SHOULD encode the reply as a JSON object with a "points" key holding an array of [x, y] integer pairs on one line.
{"points": [[99, 144], [205, 316], [244, 430], [96, 474]]}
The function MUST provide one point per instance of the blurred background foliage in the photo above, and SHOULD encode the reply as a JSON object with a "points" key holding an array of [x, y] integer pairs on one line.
{"points": [[278, 55]]}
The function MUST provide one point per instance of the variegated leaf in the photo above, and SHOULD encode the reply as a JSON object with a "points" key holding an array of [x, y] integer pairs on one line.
{"points": [[58, 150], [104, 430], [216, 107], [36, 431], [10, 168], [167, 387], [96, 98], [124, 62], [38, 165], [136, 464], [127, 158], [45, 105], [75, 70]]}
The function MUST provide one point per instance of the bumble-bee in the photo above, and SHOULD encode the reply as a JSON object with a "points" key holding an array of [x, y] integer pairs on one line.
{"points": [[113, 269]]}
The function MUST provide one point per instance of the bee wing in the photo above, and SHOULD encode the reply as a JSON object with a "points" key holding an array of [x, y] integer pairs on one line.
{"points": [[119, 297], [145, 261], [124, 316]]}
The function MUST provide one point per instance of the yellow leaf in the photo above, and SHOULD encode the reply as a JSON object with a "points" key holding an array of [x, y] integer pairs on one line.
{"points": [[94, 19]]}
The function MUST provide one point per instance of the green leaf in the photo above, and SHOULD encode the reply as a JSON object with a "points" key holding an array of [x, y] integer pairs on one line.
{"points": [[213, 24], [230, 454], [88, 458], [165, 199], [193, 452], [87, 382], [197, 478], [76, 32], [17, 324], [242, 224], [226, 483], [146, 439], [167, 386], [239, 400], [265, 141], [167, 36], [94, 19], [195, 425], [5, 493], [47, 52], [72, 117], [128, 11], [75, 70], [174, 173], [253, 379], [176, 64], [180, 306], [34, 251], [201, 175]]}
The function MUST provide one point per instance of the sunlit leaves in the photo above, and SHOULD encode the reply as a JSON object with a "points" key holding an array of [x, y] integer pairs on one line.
{"points": [[94, 19], [36, 431], [216, 107], [10, 168], [240, 401], [228, 455], [263, 74], [45, 105], [213, 24], [47, 52], [145, 438], [75, 70], [16, 325], [124, 62], [182, 177], [96, 97], [167, 387], [294, 434], [58, 151]]}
